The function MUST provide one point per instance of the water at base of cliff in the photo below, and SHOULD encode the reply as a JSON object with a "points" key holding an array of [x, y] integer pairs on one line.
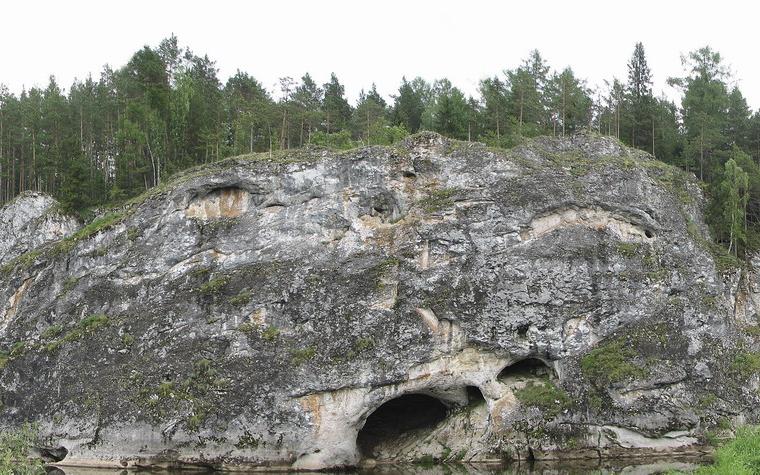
{"points": [[648, 466]]}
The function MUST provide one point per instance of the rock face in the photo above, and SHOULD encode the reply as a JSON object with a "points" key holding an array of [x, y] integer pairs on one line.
{"points": [[29, 221], [437, 300]]}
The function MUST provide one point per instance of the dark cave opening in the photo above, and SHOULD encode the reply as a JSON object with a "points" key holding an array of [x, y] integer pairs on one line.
{"points": [[410, 412], [527, 368], [474, 396]]}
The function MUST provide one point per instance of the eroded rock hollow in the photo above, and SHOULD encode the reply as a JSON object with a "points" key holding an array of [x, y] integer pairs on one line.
{"points": [[437, 300]]}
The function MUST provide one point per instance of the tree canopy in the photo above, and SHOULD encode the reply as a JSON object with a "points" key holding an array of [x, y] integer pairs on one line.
{"points": [[110, 138]]}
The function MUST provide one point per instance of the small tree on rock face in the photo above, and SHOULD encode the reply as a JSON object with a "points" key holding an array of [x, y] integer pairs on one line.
{"points": [[733, 198]]}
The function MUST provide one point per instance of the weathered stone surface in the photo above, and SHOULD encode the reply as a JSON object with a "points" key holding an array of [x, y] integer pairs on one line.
{"points": [[29, 221], [559, 299]]}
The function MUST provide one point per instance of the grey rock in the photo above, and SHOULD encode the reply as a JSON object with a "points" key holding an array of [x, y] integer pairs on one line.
{"points": [[29, 221], [256, 313]]}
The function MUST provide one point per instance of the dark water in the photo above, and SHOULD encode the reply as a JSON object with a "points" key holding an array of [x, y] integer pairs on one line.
{"points": [[647, 466]]}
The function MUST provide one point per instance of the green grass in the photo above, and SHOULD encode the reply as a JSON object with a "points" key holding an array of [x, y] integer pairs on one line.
{"points": [[364, 344], [746, 363], [610, 363], [739, 456], [628, 249], [547, 397], [14, 448], [242, 298], [127, 340], [85, 327], [271, 333], [214, 286], [438, 200], [300, 356]]}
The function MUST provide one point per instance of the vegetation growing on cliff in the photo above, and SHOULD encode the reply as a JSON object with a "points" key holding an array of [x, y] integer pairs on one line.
{"points": [[610, 363], [547, 397], [14, 450]]}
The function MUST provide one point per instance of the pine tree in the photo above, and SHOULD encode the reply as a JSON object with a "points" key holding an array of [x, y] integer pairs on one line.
{"points": [[639, 92], [704, 103], [337, 111]]}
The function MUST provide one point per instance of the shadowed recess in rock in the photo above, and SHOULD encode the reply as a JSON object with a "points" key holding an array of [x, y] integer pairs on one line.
{"points": [[474, 396], [527, 368], [403, 415]]}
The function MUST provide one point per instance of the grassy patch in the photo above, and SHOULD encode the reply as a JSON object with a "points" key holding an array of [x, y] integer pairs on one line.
{"points": [[127, 340], [67, 244], [746, 364], [14, 448], [740, 456], [97, 225], [610, 363], [364, 344], [628, 249], [69, 284], [547, 397], [133, 233], [301, 356], [438, 199], [85, 327], [271, 333], [242, 298], [214, 286], [196, 391]]}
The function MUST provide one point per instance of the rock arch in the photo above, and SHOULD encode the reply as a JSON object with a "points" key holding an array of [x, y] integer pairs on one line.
{"points": [[399, 421]]}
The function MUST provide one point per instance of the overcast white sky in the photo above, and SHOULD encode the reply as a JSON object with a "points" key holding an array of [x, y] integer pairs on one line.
{"points": [[378, 41]]}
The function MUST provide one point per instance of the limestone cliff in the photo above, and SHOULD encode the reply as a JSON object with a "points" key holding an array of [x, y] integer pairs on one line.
{"points": [[29, 221], [436, 300]]}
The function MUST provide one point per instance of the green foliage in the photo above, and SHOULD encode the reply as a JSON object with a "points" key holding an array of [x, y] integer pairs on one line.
{"points": [[745, 364], [15, 446], [214, 286], [547, 397], [247, 441], [127, 340], [133, 233], [97, 225], [740, 456], [195, 391], [610, 363], [271, 333], [86, 327], [108, 140], [17, 349], [628, 249], [364, 344], [728, 208], [438, 199], [69, 284], [242, 298], [724, 260], [336, 140], [302, 355]]}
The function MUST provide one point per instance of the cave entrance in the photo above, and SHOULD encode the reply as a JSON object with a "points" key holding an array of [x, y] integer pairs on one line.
{"points": [[527, 368], [408, 416]]}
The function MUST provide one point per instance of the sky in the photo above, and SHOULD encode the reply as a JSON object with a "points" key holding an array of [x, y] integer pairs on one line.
{"points": [[379, 41]]}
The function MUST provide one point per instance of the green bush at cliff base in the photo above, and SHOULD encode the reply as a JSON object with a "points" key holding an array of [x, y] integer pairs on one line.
{"points": [[14, 449]]}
